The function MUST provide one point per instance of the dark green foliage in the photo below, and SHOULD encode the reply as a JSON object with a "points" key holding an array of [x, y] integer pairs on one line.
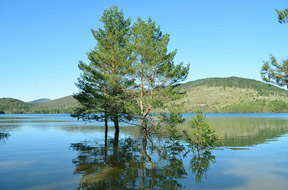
{"points": [[171, 119], [278, 106], [275, 106], [150, 46], [202, 140], [10, 105], [203, 136], [283, 16], [274, 72], [154, 68], [104, 81], [62, 105]]}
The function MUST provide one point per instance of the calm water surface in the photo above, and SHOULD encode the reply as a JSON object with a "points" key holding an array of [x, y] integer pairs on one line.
{"points": [[59, 152]]}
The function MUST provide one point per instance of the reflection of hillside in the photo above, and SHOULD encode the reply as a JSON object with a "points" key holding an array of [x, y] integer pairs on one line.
{"points": [[237, 131], [245, 131], [249, 131]]}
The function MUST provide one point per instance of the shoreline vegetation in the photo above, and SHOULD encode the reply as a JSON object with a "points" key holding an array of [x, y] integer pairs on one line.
{"points": [[211, 95]]}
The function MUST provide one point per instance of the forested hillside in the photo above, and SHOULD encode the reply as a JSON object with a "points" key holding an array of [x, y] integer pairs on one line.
{"points": [[236, 82], [62, 105], [231, 94], [10, 105]]}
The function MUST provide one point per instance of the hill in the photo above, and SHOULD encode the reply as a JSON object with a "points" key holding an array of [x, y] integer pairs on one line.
{"points": [[231, 94], [62, 105], [10, 105], [260, 87], [67, 100], [39, 101]]}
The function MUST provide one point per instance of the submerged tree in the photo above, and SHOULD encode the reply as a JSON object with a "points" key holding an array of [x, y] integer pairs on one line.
{"points": [[104, 81], [130, 73], [202, 140], [202, 136], [155, 70]]}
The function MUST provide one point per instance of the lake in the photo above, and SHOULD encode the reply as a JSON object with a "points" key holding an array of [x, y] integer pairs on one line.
{"points": [[47, 151]]}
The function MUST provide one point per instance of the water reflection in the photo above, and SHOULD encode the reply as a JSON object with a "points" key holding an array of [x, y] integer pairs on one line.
{"points": [[4, 134], [137, 163], [200, 164]]}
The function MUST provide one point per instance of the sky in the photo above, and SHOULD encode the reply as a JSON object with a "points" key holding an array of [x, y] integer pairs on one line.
{"points": [[42, 41]]}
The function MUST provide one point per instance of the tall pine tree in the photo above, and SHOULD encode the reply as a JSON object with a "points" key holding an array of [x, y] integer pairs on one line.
{"points": [[155, 69], [104, 81]]}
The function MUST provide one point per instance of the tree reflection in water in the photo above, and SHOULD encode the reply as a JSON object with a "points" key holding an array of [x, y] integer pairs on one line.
{"points": [[3, 135], [201, 161], [130, 163]]}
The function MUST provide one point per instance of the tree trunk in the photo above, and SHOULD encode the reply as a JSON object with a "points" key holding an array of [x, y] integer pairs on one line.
{"points": [[105, 115], [106, 128], [116, 124], [115, 145], [151, 83], [145, 155], [142, 95]]}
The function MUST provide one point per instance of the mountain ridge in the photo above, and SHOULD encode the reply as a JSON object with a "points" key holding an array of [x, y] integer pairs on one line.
{"points": [[231, 94], [39, 101]]}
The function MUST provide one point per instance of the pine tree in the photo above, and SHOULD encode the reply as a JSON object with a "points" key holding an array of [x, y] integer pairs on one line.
{"points": [[154, 67], [282, 16], [104, 80], [272, 71]]}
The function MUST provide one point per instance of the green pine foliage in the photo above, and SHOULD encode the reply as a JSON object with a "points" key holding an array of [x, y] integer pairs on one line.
{"points": [[203, 135], [154, 69], [104, 81], [274, 72], [129, 69], [171, 119], [282, 16]]}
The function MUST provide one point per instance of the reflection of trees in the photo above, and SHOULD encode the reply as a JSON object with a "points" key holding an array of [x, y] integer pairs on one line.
{"points": [[136, 164], [201, 161], [126, 164], [3, 135]]}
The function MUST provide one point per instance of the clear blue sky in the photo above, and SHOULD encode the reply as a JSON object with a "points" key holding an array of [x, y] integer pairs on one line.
{"points": [[42, 41]]}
